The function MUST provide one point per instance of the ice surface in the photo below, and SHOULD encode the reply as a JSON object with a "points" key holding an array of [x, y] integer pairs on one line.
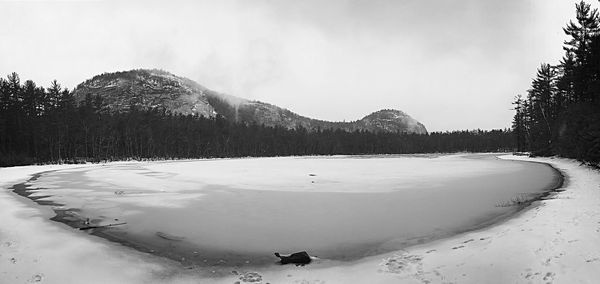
{"points": [[237, 211], [555, 241]]}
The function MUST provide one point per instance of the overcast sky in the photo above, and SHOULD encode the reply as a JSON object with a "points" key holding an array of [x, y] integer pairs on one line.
{"points": [[450, 64]]}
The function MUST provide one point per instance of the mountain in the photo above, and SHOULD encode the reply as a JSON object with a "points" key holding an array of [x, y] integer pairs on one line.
{"points": [[152, 89]]}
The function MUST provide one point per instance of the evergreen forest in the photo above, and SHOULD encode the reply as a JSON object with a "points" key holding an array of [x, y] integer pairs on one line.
{"points": [[560, 114]]}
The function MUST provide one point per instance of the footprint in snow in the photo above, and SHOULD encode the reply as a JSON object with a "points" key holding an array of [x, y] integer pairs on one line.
{"points": [[304, 281], [36, 278], [251, 277], [549, 277], [547, 262]]}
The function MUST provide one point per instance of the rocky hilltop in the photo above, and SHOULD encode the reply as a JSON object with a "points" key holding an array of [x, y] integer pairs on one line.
{"points": [[152, 89]]}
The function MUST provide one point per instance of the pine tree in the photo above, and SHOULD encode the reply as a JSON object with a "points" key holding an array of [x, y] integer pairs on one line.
{"points": [[581, 35], [53, 96], [518, 124], [540, 97]]}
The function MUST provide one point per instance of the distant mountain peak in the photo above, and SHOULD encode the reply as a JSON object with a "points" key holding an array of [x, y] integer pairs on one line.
{"points": [[156, 88], [392, 120]]}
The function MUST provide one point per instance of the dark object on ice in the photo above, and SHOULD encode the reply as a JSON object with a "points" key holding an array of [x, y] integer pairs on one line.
{"points": [[100, 226], [298, 258], [169, 236]]}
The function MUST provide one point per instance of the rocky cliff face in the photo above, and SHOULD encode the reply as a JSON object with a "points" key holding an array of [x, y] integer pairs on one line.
{"points": [[390, 120], [157, 89], [147, 89]]}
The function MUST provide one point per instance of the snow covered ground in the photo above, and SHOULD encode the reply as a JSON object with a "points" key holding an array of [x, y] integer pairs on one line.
{"points": [[556, 240]]}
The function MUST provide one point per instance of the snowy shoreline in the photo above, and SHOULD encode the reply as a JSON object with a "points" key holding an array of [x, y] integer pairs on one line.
{"points": [[529, 247]]}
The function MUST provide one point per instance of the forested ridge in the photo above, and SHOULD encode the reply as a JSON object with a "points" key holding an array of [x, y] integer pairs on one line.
{"points": [[39, 125], [560, 114], [150, 88]]}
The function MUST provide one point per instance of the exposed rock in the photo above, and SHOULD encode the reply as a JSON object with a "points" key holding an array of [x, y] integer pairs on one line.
{"points": [[298, 258]]}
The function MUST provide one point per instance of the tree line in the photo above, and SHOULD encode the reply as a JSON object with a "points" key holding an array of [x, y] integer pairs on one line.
{"points": [[560, 115], [39, 125]]}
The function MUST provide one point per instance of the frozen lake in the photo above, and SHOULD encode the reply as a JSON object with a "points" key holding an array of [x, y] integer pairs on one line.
{"points": [[230, 212]]}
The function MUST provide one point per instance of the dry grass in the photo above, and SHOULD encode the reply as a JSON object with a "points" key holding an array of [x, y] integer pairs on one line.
{"points": [[521, 199]]}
